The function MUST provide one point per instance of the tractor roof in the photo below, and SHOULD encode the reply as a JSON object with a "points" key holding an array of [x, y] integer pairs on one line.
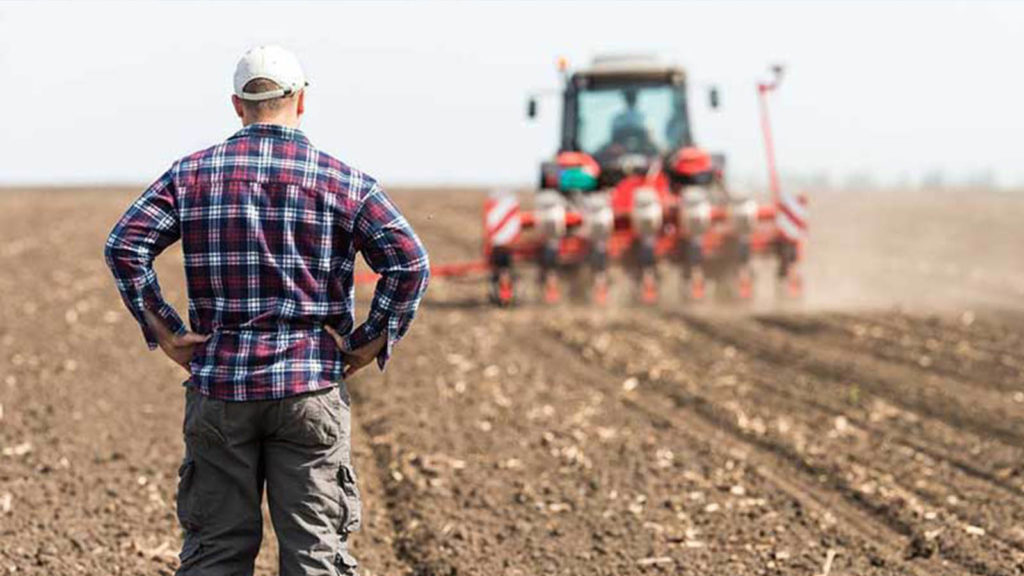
{"points": [[631, 66]]}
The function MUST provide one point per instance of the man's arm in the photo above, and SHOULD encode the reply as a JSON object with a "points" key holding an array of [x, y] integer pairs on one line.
{"points": [[393, 250], [148, 227]]}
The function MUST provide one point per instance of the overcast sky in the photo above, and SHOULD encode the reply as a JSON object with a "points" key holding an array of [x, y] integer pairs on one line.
{"points": [[435, 92]]}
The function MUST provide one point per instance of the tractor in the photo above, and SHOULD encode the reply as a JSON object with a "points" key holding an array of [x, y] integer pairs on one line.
{"points": [[629, 185]]}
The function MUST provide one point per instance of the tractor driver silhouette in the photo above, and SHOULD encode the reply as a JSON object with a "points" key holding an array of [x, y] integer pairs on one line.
{"points": [[629, 131]]}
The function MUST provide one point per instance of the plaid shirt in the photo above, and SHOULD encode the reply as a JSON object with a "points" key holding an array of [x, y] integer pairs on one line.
{"points": [[270, 227]]}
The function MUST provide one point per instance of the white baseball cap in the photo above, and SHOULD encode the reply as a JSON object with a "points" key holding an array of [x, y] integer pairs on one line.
{"points": [[272, 63]]}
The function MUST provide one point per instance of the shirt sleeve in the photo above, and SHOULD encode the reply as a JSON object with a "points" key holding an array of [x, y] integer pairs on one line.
{"points": [[393, 250], [148, 227]]}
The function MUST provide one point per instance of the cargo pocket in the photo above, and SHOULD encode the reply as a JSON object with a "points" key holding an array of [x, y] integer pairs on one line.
{"points": [[351, 506], [188, 512]]}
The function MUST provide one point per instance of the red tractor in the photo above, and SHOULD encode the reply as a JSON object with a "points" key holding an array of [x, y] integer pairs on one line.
{"points": [[630, 185]]}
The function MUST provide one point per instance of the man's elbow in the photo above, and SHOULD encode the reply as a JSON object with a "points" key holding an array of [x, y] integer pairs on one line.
{"points": [[116, 252], [424, 270], [110, 251]]}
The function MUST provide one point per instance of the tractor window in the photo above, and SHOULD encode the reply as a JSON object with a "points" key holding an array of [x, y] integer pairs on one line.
{"points": [[630, 119]]}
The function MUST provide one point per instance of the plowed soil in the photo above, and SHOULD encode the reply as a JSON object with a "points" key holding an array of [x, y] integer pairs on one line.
{"points": [[875, 428]]}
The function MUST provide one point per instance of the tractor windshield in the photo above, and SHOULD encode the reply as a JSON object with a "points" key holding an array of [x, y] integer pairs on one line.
{"points": [[630, 119]]}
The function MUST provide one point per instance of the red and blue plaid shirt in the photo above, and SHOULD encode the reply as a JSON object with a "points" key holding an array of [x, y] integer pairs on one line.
{"points": [[270, 227]]}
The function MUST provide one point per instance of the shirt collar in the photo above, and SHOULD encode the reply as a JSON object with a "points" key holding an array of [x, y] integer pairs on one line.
{"points": [[271, 131]]}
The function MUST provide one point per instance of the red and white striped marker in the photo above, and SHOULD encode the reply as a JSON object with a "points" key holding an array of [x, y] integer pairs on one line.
{"points": [[791, 216], [501, 218]]}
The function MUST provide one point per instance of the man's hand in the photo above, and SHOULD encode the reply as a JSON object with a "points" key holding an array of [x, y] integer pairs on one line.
{"points": [[356, 359], [179, 348]]}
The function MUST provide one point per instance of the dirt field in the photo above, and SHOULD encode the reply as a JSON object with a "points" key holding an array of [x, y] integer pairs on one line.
{"points": [[877, 429]]}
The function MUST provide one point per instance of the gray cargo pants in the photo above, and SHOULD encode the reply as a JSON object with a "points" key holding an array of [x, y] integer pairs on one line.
{"points": [[299, 447]]}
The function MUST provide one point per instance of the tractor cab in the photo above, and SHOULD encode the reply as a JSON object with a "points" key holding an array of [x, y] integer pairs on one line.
{"points": [[621, 115]]}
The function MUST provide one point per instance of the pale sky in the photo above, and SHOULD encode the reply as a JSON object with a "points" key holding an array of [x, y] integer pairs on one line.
{"points": [[421, 93]]}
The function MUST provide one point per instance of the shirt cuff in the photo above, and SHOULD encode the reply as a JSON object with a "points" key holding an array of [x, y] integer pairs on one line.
{"points": [[367, 332], [164, 312]]}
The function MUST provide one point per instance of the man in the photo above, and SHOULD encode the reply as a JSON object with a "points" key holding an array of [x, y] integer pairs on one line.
{"points": [[629, 132], [270, 227], [629, 119]]}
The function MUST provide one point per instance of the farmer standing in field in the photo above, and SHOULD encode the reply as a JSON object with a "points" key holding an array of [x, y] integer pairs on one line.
{"points": [[270, 227]]}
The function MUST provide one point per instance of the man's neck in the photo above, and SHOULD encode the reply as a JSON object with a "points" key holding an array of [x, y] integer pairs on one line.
{"points": [[292, 122]]}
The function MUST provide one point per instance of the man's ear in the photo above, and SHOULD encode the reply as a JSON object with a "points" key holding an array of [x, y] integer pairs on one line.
{"points": [[301, 108], [237, 103]]}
